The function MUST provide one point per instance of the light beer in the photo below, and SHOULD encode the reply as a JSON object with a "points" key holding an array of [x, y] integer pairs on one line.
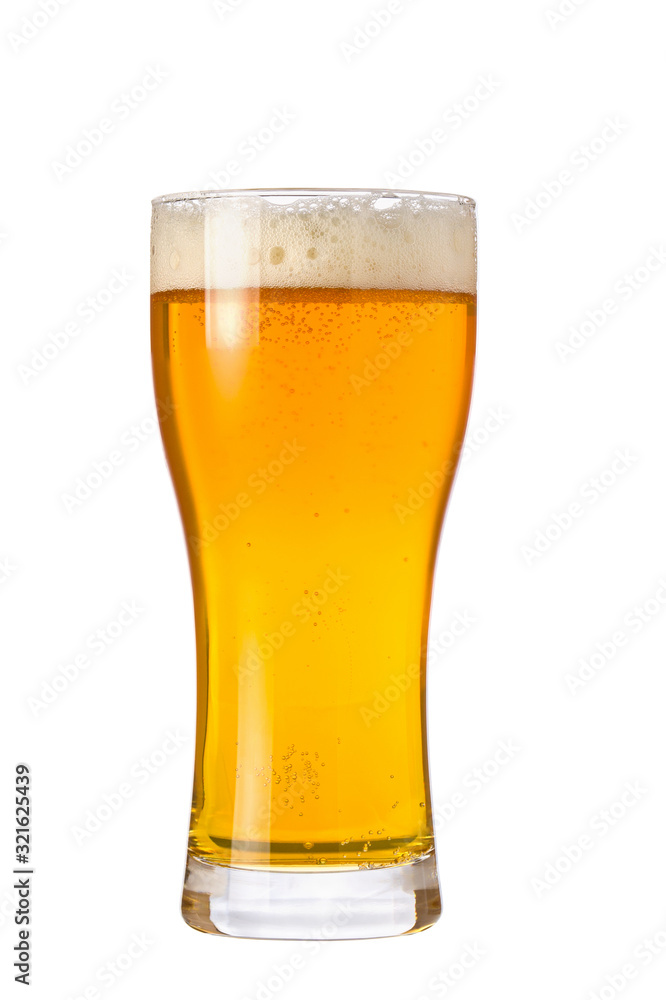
{"points": [[316, 357]]}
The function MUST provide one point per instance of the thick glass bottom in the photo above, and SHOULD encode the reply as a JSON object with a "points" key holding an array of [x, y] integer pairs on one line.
{"points": [[311, 905]]}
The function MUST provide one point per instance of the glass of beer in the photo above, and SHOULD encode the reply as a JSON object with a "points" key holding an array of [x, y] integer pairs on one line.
{"points": [[314, 352]]}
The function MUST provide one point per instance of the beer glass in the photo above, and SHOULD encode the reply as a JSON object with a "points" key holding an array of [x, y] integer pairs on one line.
{"points": [[314, 351]]}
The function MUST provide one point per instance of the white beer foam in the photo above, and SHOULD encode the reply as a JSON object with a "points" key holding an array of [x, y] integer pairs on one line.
{"points": [[345, 239]]}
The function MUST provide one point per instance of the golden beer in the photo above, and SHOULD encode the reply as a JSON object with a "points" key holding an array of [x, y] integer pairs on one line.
{"points": [[315, 391]]}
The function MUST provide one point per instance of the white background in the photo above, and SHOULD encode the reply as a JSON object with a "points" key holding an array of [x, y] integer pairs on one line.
{"points": [[356, 113]]}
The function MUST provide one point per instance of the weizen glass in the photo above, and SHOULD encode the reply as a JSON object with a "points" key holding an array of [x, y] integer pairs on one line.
{"points": [[314, 350]]}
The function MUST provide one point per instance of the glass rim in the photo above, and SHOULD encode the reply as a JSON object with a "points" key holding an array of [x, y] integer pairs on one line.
{"points": [[310, 192]]}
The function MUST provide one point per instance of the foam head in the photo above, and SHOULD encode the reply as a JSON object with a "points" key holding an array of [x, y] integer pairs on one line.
{"points": [[313, 239]]}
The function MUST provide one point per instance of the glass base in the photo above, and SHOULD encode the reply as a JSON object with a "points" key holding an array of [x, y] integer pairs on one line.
{"points": [[311, 905]]}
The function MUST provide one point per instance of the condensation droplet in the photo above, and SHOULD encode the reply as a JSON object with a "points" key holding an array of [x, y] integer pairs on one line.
{"points": [[174, 260], [308, 845], [276, 255]]}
